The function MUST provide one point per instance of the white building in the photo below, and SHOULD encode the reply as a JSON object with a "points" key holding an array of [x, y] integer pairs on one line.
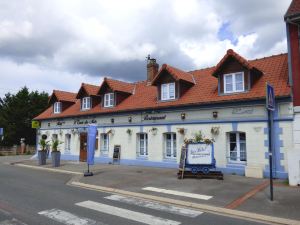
{"points": [[150, 119]]}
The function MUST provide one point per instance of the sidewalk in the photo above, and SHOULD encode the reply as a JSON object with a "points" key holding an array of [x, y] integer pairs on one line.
{"points": [[234, 192]]}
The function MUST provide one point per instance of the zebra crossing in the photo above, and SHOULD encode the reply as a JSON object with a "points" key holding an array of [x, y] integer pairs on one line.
{"points": [[68, 218]]}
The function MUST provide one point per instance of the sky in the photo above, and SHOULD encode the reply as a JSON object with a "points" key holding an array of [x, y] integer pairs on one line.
{"points": [[59, 44]]}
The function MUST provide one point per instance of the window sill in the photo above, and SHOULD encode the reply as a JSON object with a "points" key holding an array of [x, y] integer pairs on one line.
{"points": [[170, 159], [141, 157], [236, 164]]}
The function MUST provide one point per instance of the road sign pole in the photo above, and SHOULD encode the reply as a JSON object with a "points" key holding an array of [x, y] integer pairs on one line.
{"points": [[270, 152]]}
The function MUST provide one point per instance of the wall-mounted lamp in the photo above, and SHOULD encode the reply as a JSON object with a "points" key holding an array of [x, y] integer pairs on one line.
{"points": [[215, 114], [129, 119], [112, 120], [182, 116]]}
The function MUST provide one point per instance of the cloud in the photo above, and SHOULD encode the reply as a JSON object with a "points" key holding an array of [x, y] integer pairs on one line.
{"points": [[96, 38]]}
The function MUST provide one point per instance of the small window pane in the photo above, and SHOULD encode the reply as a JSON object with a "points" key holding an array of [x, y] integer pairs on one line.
{"points": [[232, 137], [242, 136], [172, 90]]}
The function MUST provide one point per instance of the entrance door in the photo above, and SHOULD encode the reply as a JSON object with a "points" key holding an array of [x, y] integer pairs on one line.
{"points": [[83, 147]]}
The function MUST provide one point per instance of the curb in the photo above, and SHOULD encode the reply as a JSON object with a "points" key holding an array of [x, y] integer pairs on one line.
{"points": [[48, 169], [203, 207]]}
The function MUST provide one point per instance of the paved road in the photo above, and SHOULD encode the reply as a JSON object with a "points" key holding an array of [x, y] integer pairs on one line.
{"points": [[38, 197]]}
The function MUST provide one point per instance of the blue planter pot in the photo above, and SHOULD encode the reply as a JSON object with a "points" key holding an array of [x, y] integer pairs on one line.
{"points": [[55, 156], [42, 156]]}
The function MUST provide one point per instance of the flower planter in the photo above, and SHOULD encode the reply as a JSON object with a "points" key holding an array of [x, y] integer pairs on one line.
{"points": [[55, 156], [42, 156]]}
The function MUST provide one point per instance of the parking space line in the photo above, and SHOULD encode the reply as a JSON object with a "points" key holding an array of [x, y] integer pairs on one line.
{"points": [[178, 193]]}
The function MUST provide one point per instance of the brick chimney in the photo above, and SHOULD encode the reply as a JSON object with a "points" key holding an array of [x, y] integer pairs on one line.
{"points": [[152, 68]]}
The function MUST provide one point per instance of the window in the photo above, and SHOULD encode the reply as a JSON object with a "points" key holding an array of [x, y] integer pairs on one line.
{"points": [[237, 147], [170, 145], [57, 107], [234, 82], [104, 144], [67, 142], [168, 91], [109, 100], [86, 103], [143, 144]]}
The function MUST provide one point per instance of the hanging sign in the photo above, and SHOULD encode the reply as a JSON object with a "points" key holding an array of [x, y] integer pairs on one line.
{"points": [[35, 124]]}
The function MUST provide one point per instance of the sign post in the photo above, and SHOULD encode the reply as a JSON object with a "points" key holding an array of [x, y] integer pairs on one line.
{"points": [[1, 133], [91, 141], [270, 105]]}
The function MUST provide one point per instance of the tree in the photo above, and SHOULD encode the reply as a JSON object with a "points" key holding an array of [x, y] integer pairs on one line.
{"points": [[16, 113]]}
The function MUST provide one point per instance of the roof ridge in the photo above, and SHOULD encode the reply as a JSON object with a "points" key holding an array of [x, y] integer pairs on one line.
{"points": [[64, 91], [266, 57]]}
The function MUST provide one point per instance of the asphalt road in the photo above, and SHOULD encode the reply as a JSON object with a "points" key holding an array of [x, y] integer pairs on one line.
{"points": [[39, 197]]}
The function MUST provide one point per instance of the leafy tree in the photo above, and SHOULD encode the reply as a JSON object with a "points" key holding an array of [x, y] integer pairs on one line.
{"points": [[16, 113]]}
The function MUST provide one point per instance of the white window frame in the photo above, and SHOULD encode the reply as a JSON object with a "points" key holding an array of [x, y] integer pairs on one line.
{"points": [[104, 143], [234, 85], [143, 150], [67, 142], [109, 100], [173, 145], [86, 103], [57, 107], [238, 148], [167, 88]]}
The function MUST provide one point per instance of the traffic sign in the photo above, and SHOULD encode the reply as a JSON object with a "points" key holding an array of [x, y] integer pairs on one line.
{"points": [[270, 97], [1, 131]]}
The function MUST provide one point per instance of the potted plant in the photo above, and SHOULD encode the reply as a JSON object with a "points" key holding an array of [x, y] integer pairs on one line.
{"points": [[55, 154], [42, 154]]}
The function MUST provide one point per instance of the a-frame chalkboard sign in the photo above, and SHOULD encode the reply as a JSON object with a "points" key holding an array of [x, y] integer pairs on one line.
{"points": [[182, 162], [116, 154]]}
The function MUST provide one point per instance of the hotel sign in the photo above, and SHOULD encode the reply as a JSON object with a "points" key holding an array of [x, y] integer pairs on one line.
{"points": [[81, 122], [200, 154]]}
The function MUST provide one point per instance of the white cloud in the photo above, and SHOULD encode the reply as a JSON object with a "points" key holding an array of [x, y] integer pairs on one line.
{"points": [[64, 39]]}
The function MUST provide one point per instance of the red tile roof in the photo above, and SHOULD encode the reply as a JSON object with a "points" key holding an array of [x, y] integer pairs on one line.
{"points": [[176, 73], [205, 90], [230, 53], [63, 96], [90, 89], [293, 10], [117, 85]]}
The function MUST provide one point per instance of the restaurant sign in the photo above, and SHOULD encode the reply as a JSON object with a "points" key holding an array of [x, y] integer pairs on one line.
{"points": [[153, 117]]}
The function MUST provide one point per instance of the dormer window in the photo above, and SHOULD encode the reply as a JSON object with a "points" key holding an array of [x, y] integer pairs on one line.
{"points": [[57, 107], [86, 103], [234, 82], [109, 100], [167, 91]]}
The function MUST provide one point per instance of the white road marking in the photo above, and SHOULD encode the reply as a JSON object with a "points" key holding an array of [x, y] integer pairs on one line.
{"points": [[155, 205], [67, 218], [127, 214], [12, 222], [178, 193]]}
